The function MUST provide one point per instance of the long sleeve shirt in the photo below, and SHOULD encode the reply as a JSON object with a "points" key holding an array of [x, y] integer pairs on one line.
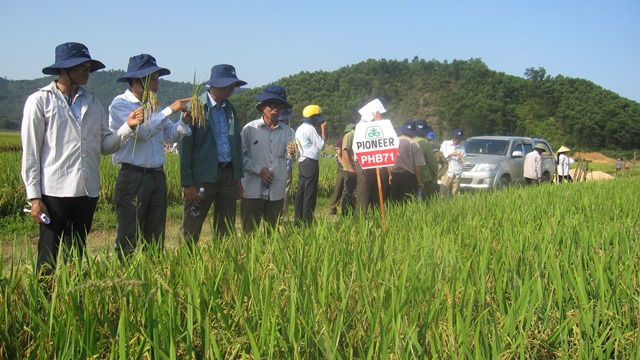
{"points": [[309, 142], [264, 147], [146, 147], [455, 162], [533, 165], [564, 164], [61, 153]]}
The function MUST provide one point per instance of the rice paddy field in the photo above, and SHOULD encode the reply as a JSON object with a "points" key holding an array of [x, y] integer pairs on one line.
{"points": [[545, 272]]}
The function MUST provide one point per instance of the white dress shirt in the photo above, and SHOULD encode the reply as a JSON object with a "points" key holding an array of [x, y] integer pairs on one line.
{"points": [[455, 163], [310, 143], [146, 147], [61, 155]]}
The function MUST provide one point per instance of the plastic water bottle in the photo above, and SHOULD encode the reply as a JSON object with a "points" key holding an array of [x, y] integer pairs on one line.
{"points": [[419, 194], [45, 219], [194, 211], [264, 190]]}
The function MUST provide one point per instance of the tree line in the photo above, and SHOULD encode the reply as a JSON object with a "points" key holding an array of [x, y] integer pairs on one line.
{"points": [[458, 94]]}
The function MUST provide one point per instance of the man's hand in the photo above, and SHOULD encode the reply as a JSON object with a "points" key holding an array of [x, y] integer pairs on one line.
{"points": [[180, 105], [191, 194], [136, 117], [267, 175], [37, 208]]}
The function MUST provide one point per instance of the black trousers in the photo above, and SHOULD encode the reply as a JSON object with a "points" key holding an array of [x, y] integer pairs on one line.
{"points": [[71, 219], [141, 207], [349, 192], [222, 195], [307, 192], [338, 189], [404, 185], [253, 211]]}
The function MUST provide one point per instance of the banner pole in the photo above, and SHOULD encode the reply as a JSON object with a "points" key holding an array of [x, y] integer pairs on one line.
{"points": [[384, 224]]}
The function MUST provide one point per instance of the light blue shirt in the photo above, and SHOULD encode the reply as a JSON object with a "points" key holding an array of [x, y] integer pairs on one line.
{"points": [[220, 129], [146, 147]]}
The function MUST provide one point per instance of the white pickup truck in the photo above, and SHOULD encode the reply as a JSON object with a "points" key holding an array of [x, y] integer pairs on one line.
{"points": [[494, 162]]}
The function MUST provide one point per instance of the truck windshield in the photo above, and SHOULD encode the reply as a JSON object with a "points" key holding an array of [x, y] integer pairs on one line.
{"points": [[486, 147]]}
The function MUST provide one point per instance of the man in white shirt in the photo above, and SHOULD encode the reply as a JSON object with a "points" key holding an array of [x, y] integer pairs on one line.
{"points": [[310, 143], [533, 165], [264, 153], [65, 130], [454, 153], [141, 188]]}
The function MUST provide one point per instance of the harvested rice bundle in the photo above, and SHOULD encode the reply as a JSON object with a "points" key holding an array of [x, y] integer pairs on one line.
{"points": [[197, 107], [149, 100]]}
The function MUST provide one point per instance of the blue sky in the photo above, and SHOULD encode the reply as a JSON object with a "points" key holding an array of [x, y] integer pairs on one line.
{"points": [[268, 40]]}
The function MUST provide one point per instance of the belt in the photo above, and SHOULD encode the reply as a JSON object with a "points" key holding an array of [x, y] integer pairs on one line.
{"points": [[140, 169], [224, 165]]}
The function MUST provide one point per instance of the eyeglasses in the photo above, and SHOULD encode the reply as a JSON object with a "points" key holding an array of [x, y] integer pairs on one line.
{"points": [[275, 105]]}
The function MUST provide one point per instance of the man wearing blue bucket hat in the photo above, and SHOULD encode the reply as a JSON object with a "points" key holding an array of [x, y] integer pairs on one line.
{"points": [[211, 159], [264, 149], [141, 188], [430, 171], [65, 130]]}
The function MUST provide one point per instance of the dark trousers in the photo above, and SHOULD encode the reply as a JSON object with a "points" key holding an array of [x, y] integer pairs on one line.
{"points": [[222, 195], [566, 178], [307, 192], [529, 181], [367, 194], [338, 189], [253, 211], [141, 207], [349, 192], [71, 218], [404, 186]]}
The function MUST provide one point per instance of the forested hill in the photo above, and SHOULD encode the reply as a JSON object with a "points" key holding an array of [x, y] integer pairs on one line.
{"points": [[459, 94]]}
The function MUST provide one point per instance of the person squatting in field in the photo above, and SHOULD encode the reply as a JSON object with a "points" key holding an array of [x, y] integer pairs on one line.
{"points": [[141, 188], [65, 130]]}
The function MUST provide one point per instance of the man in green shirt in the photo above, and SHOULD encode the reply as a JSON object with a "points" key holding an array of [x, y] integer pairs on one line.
{"points": [[430, 171]]}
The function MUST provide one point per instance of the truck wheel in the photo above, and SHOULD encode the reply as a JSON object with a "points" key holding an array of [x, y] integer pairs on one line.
{"points": [[504, 182], [545, 177]]}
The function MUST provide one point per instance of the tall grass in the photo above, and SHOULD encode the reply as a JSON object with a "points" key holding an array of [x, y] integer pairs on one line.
{"points": [[540, 272]]}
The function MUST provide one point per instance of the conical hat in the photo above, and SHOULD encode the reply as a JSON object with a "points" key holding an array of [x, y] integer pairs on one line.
{"points": [[563, 149]]}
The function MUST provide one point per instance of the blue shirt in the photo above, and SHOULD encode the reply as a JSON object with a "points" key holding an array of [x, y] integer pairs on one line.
{"points": [[220, 129]]}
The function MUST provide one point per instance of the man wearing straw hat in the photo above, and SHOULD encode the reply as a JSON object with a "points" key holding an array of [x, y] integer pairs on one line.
{"points": [[211, 159], [65, 130], [564, 163], [264, 152], [141, 188]]}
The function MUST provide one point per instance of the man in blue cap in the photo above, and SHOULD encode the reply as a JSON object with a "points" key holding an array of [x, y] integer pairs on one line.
{"points": [[141, 188], [264, 149], [211, 159], [65, 130], [430, 171], [454, 152]]}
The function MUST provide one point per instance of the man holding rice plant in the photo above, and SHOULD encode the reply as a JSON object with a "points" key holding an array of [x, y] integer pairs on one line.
{"points": [[65, 130], [264, 151], [211, 159], [141, 187]]}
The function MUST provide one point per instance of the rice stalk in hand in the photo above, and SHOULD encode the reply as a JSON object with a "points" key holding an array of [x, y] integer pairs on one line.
{"points": [[149, 106], [197, 107]]}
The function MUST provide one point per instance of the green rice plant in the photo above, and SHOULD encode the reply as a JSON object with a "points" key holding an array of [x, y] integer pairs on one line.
{"points": [[532, 272]]}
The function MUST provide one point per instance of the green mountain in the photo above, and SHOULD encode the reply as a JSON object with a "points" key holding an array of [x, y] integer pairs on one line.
{"points": [[459, 94]]}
